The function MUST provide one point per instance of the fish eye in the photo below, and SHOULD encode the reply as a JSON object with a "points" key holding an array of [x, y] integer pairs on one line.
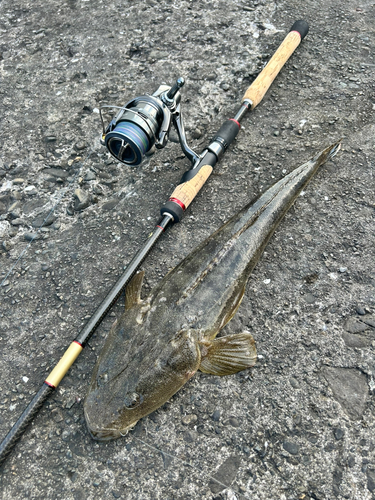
{"points": [[132, 400]]}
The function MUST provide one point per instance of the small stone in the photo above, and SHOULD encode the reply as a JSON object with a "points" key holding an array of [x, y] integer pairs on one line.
{"points": [[30, 236], [50, 138], [116, 494], [225, 86], [196, 133], [110, 204], [290, 447], [90, 176], [338, 433], [43, 220], [6, 245], [70, 403], [294, 383], [216, 416], [80, 146], [371, 480], [234, 422], [350, 389], [225, 474], [190, 437], [19, 180], [189, 419], [343, 269], [17, 222], [56, 172], [360, 310], [276, 133], [82, 200], [356, 341], [353, 325]]}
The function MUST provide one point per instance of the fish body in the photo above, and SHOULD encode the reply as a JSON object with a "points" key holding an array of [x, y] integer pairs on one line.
{"points": [[160, 342]]}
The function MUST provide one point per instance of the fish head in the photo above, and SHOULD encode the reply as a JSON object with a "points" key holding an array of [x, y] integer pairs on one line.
{"points": [[129, 383]]}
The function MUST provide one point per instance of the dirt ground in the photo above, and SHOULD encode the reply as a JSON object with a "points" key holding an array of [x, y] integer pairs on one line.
{"points": [[300, 424]]}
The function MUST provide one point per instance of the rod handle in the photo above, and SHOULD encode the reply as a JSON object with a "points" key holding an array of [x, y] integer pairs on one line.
{"points": [[185, 192], [25, 419], [262, 83]]}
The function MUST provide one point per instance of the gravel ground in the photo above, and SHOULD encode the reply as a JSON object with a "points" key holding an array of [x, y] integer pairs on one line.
{"points": [[300, 424]]}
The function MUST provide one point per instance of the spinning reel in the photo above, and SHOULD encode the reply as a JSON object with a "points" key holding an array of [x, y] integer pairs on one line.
{"points": [[145, 122]]}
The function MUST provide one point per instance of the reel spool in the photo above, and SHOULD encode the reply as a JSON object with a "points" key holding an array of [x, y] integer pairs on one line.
{"points": [[144, 122], [134, 130]]}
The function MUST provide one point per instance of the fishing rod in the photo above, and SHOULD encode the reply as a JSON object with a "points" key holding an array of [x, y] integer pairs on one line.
{"points": [[141, 125]]}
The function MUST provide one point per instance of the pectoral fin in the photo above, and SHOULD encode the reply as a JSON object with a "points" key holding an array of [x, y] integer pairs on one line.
{"points": [[133, 291], [228, 355]]}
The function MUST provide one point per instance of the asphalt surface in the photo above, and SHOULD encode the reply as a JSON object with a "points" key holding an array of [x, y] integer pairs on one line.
{"points": [[300, 424]]}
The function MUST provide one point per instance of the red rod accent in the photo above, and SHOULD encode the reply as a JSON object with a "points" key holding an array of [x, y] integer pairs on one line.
{"points": [[235, 121], [51, 385], [157, 225], [175, 200], [79, 343], [295, 31]]}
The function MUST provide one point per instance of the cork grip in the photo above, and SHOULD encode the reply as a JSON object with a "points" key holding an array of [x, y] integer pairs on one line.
{"points": [[187, 191], [264, 80]]}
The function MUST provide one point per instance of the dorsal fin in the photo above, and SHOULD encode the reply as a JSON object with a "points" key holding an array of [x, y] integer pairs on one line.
{"points": [[133, 291]]}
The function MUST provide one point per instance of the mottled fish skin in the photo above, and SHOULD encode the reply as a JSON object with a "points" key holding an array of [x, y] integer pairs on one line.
{"points": [[159, 343]]}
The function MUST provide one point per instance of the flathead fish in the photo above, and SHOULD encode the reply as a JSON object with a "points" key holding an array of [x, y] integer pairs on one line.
{"points": [[160, 342]]}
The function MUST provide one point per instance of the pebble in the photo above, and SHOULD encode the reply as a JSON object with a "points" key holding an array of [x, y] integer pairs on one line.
{"points": [[110, 204], [338, 433], [353, 325], [7, 245], [294, 383], [234, 422], [350, 389], [216, 416], [90, 176], [225, 474], [291, 447], [79, 146], [360, 310], [190, 437], [225, 86], [371, 480], [189, 419], [196, 133], [343, 269], [30, 236], [276, 133], [43, 220], [70, 403], [19, 180], [56, 172], [355, 340], [50, 138], [81, 200], [17, 222]]}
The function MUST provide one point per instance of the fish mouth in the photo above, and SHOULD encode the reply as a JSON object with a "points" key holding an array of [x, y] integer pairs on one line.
{"points": [[103, 434], [108, 434]]}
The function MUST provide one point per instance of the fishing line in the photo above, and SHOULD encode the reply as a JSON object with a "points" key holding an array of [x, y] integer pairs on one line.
{"points": [[188, 464], [48, 215]]}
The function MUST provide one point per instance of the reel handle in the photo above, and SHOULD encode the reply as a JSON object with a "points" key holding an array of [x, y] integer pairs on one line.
{"points": [[263, 81]]}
